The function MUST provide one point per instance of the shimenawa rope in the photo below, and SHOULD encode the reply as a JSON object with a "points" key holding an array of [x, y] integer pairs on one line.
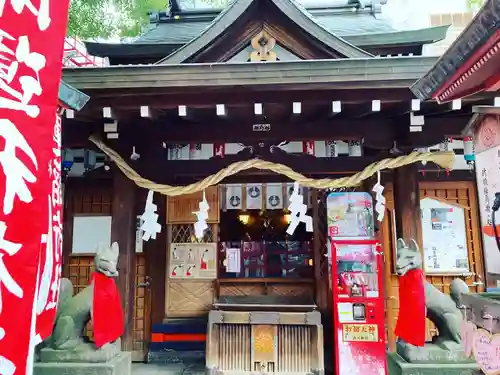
{"points": [[443, 159]]}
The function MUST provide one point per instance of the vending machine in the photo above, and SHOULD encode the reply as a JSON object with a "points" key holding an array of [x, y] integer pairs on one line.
{"points": [[356, 274]]}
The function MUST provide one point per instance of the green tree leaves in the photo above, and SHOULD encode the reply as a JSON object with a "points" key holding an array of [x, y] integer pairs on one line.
{"points": [[475, 4], [91, 19]]}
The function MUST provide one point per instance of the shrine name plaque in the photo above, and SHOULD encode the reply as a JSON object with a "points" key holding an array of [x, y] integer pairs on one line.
{"points": [[360, 333]]}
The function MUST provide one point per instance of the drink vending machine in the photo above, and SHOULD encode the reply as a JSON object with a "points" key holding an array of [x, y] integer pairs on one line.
{"points": [[356, 274]]}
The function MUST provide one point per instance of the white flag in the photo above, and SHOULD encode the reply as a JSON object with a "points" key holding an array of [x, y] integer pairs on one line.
{"points": [[233, 197], [254, 196], [274, 197]]}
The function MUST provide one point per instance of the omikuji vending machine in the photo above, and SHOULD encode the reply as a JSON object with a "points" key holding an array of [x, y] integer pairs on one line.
{"points": [[358, 301]]}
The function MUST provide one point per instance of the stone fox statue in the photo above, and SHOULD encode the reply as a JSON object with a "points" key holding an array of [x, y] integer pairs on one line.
{"points": [[441, 309], [74, 312]]}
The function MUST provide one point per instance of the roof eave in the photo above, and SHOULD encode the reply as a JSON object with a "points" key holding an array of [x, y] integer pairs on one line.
{"points": [[400, 38], [71, 97], [390, 39], [478, 33], [367, 72]]}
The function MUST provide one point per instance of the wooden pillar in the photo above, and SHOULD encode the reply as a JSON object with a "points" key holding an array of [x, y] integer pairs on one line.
{"points": [[407, 204], [317, 247], [123, 231], [156, 263], [320, 262]]}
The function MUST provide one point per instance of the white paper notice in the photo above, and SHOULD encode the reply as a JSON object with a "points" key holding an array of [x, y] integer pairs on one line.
{"points": [[488, 183], [444, 237], [345, 311], [233, 260]]}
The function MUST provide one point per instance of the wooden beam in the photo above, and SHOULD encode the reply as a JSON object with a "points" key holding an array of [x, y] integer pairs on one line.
{"points": [[123, 231], [160, 99], [377, 132], [407, 204], [381, 131], [146, 167]]}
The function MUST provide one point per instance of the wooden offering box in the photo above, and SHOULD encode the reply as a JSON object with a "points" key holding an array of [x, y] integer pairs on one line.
{"points": [[483, 309], [264, 335]]}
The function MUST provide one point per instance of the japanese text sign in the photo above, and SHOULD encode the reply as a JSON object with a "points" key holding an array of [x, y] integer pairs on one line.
{"points": [[487, 145], [360, 332], [31, 46]]}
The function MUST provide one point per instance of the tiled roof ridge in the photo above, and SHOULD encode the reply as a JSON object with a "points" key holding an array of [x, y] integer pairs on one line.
{"points": [[174, 13]]}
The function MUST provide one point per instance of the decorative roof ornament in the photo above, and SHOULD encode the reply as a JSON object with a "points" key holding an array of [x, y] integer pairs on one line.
{"points": [[263, 45]]}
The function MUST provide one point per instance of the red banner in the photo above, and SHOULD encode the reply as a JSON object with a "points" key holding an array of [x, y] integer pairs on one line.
{"points": [[31, 47], [51, 254]]}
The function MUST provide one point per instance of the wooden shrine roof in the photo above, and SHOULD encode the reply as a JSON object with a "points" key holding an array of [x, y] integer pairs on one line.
{"points": [[339, 25], [382, 72], [469, 63], [288, 8]]}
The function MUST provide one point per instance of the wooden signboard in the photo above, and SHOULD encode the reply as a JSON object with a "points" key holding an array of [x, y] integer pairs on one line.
{"points": [[181, 208]]}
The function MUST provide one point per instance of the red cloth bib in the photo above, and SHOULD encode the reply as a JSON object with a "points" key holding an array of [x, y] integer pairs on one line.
{"points": [[107, 313], [411, 320]]}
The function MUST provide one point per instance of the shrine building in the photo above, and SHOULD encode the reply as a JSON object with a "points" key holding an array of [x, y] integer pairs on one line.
{"points": [[320, 87]]}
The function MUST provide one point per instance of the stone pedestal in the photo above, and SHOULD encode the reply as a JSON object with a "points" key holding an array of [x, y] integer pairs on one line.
{"points": [[440, 351], [120, 364], [398, 366]]}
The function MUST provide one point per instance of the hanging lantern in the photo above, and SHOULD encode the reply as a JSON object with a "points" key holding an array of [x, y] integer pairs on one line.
{"points": [[89, 160], [174, 152], [67, 161], [195, 151], [331, 149], [469, 151], [445, 146], [219, 150], [355, 148], [308, 147]]}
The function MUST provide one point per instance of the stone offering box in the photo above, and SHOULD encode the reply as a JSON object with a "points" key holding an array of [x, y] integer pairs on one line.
{"points": [[264, 335]]}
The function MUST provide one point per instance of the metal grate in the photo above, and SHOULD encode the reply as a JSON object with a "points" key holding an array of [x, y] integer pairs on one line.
{"points": [[295, 349], [235, 347], [295, 352], [184, 233]]}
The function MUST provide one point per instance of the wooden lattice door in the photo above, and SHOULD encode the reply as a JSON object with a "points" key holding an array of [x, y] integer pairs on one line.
{"points": [[462, 193]]}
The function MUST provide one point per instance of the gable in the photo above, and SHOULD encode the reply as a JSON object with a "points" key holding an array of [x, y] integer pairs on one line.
{"points": [[292, 27], [264, 52]]}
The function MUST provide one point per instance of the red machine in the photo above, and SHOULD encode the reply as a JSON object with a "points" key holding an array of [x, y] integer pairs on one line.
{"points": [[358, 301]]}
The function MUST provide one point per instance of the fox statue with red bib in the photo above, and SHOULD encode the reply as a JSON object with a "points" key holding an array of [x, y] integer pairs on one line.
{"points": [[99, 302], [419, 300]]}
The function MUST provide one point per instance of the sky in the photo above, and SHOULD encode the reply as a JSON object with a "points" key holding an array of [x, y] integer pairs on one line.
{"points": [[415, 14]]}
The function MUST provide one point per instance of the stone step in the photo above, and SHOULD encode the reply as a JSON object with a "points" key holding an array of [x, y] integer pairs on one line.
{"points": [[166, 369]]}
